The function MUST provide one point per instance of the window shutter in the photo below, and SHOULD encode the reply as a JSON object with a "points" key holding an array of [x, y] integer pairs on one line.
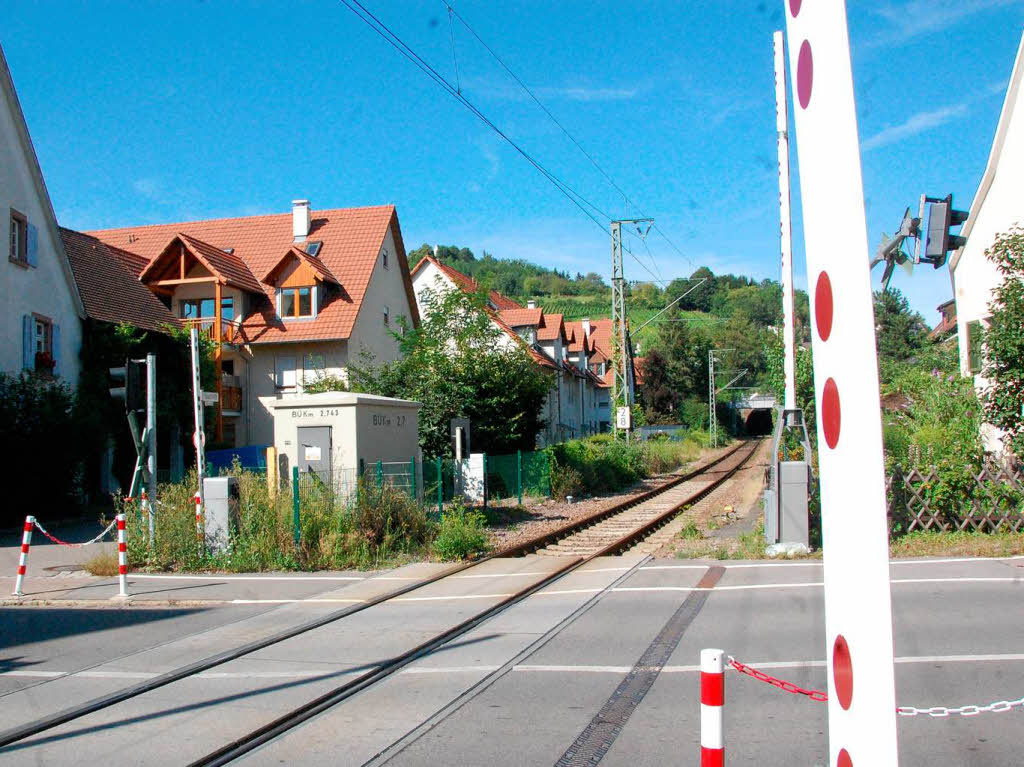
{"points": [[55, 342], [28, 349], [33, 245]]}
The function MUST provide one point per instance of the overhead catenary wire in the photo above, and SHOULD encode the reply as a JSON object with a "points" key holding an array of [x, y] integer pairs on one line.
{"points": [[561, 127], [385, 32], [581, 202]]}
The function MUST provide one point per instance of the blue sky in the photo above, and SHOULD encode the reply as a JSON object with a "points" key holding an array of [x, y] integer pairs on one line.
{"points": [[164, 111]]}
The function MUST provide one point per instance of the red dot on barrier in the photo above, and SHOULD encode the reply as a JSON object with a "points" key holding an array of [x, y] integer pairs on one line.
{"points": [[831, 413], [794, 7], [842, 672], [844, 760], [804, 74], [823, 306]]}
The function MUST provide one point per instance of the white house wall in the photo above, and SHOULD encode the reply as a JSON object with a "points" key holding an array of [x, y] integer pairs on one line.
{"points": [[386, 288], [47, 288], [976, 277], [260, 379]]}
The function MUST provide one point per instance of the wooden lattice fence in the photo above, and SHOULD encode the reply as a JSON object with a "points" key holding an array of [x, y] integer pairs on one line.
{"points": [[988, 500]]}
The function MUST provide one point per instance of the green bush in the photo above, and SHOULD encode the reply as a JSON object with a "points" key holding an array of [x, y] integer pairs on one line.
{"points": [[461, 535], [376, 527], [600, 464]]}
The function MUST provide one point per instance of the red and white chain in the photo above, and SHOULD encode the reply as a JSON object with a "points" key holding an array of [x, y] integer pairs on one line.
{"points": [[782, 684], [934, 711], [74, 545], [942, 711]]}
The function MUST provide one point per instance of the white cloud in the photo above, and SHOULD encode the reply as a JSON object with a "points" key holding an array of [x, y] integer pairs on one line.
{"points": [[918, 123], [914, 18], [583, 93]]}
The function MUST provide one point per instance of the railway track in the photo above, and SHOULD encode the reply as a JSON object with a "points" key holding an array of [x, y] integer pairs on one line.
{"points": [[605, 533]]}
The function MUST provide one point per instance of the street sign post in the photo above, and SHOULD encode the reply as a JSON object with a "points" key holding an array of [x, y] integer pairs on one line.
{"points": [[858, 611]]}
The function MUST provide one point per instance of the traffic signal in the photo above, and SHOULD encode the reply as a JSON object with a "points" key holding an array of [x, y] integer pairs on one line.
{"points": [[942, 216], [129, 384]]}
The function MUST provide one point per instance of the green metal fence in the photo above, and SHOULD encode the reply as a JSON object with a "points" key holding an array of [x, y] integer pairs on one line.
{"points": [[434, 481]]}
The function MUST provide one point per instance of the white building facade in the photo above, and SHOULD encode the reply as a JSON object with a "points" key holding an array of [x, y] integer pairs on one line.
{"points": [[41, 323], [998, 206]]}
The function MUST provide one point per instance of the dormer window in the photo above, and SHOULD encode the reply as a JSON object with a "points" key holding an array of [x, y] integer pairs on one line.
{"points": [[297, 302]]}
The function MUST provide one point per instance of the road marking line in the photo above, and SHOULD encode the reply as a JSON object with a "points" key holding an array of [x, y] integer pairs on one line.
{"points": [[448, 669], [442, 598], [746, 566], [295, 601], [572, 669]]}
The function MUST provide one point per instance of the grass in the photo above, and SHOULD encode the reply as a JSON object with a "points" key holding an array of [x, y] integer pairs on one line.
{"points": [[690, 531], [372, 529], [104, 564], [460, 535], [928, 543]]}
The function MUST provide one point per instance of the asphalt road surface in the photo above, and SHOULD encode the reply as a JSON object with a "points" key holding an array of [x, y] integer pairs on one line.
{"points": [[528, 687]]}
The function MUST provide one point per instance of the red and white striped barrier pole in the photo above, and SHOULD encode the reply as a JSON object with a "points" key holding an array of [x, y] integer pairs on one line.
{"points": [[199, 518], [26, 541], [122, 557], [712, 699]]}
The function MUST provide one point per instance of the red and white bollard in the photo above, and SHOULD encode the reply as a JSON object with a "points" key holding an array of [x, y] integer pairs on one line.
{"points": [[712, 699], [199, 517], [122, 557], [26, 540]]}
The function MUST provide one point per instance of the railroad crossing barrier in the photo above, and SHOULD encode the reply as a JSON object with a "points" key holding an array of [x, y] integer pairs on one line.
{"points": [[26, 540], [712, 702]]}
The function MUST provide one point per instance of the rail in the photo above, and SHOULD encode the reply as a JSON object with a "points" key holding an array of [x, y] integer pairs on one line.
{"points": [[308, 710]]}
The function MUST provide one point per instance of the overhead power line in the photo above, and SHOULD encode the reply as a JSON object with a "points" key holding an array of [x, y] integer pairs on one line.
{"points": [[555, 120], [378, 26]]}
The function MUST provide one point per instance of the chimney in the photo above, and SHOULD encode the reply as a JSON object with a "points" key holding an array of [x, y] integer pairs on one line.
{"points": [[435, 251], [531, 304], [300, 219], [585, 322]]}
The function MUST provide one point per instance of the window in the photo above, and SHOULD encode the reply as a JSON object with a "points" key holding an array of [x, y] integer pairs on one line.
{"points": [[284, 368], [974, 347], [297, 302], [42, 344], [19, 238], [387, 316], [196, 308], [314, 368], [384, 258]]}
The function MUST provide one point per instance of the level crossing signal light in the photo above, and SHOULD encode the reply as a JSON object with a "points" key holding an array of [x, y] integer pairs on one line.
{"points": [[942, 216], [128, 383]]}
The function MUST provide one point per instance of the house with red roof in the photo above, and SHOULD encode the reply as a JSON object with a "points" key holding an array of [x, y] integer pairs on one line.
{"points": [[41, 327], [572, 408], [288, 299]]}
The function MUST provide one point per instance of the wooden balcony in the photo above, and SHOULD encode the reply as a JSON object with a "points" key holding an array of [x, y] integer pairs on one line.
{"points": [[229, 329], [231, 394]]}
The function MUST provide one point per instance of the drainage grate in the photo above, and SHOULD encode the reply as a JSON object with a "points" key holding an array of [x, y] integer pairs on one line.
{"points": [[593, 743]]}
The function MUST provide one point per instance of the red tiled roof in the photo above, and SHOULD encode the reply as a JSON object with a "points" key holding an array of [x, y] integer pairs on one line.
{"points": [[551, 328], [638, 369], [578, 341], [601, 336], [107, 282], [518, 318], [468, 284], [228, 267], [313, 263], [352, 239]]}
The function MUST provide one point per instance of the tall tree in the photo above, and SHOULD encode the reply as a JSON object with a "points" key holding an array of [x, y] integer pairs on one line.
{"points": [[901, 332], [458, 364], [1004, 341]]}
